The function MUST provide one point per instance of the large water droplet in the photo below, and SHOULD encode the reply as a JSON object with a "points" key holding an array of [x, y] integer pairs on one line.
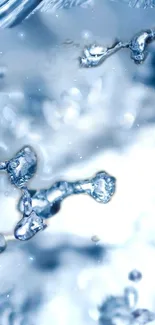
{"points": [[27, 227], [103, 187], [22, 167]]}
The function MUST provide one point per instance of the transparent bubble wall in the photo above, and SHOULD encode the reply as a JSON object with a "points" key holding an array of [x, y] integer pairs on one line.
{"points": [[94, 263]]}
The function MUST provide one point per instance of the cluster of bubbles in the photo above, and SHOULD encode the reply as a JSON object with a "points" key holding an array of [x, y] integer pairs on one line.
{"points": [[39, 205], [94, 55]]}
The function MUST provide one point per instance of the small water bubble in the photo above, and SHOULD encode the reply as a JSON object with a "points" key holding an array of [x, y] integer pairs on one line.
{"points": [[95, 239], [135, 276], [2, 243]]}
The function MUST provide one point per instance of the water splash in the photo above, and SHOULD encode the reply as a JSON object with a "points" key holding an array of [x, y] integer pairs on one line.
{"points": [[101, 188], [38, 205], [94, 55]]}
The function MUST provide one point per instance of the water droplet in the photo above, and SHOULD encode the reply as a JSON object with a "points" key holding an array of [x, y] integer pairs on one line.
{"points": [[2, 243], [103, 187], [138, 46], [135, 276], [22, 167], [93, 56], [27, 227], [95, 239], [143, 316]]}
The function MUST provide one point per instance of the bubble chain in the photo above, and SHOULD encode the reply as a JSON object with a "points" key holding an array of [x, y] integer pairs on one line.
{"points": [[37, 206], [94, 55]]}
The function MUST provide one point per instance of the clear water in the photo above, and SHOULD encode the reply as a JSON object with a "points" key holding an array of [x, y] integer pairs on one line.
{"points": [[79, 122]]}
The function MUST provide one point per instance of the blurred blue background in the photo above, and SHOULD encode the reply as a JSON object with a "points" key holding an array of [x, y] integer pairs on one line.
{"points": [[79, 122]]}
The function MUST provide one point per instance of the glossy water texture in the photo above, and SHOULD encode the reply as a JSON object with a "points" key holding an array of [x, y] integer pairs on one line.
{"points": [[79, 122], [22, 167], [47, 202], [13, 12]]}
